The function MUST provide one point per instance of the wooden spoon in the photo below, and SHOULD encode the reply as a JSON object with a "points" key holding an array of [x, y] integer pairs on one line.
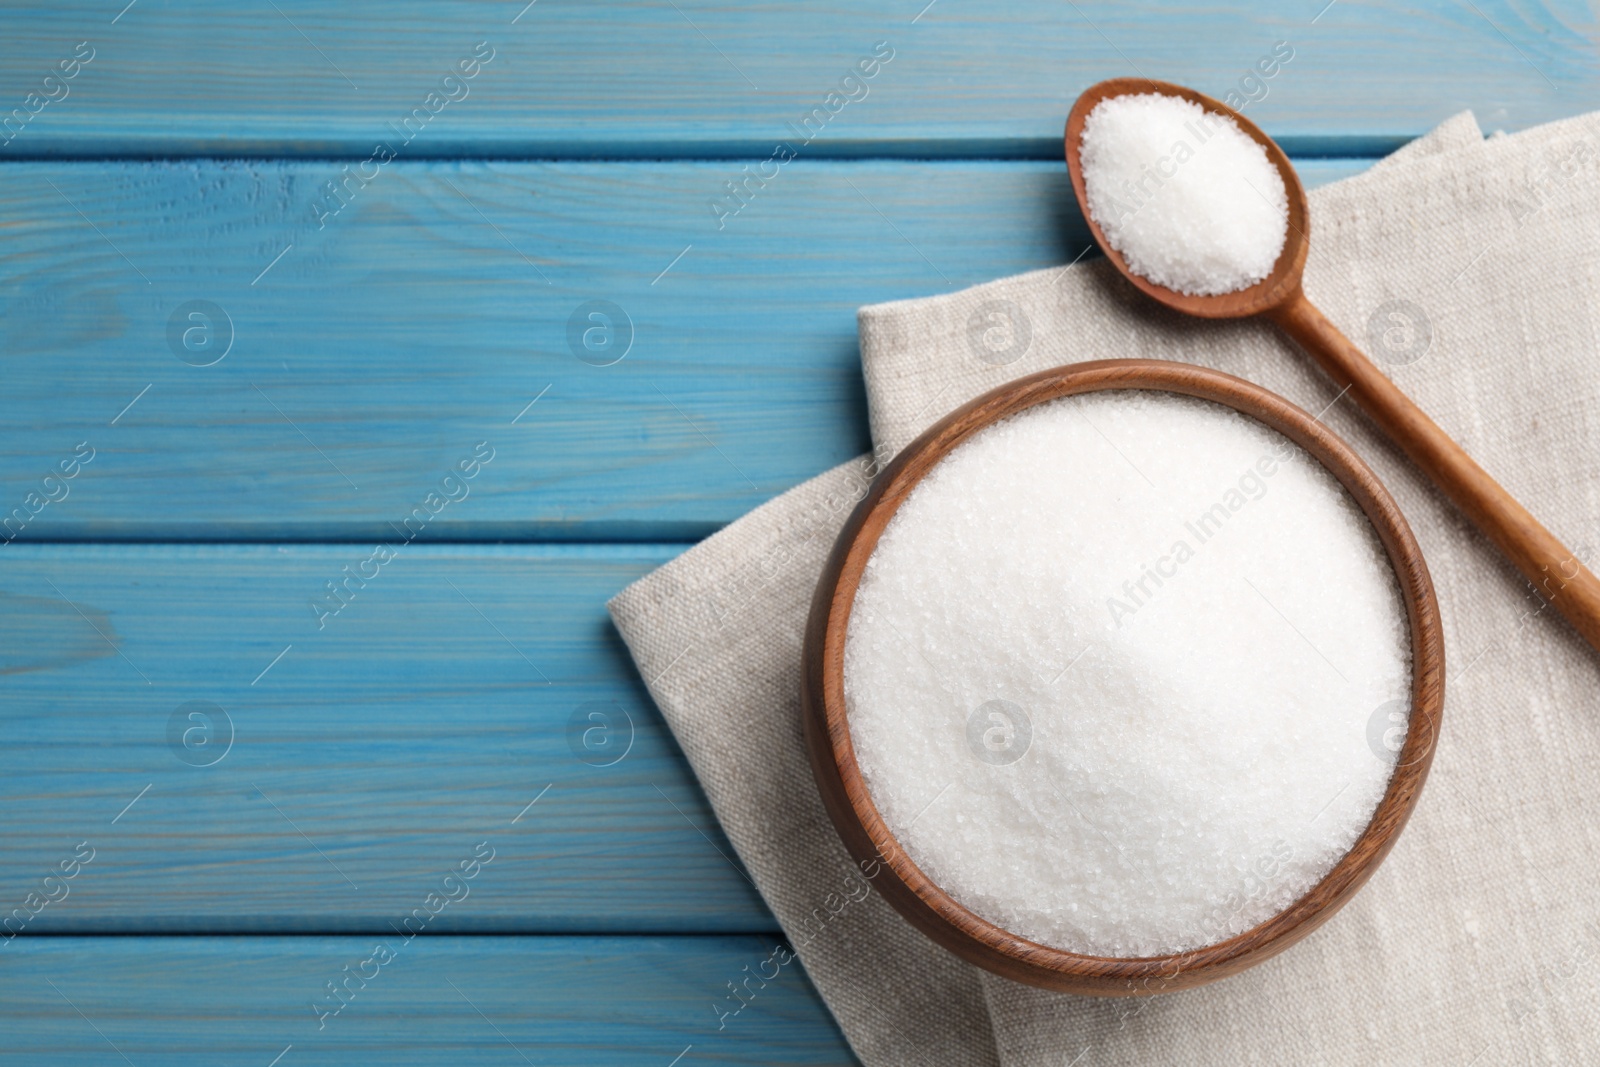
{"points": [[1553, 570]]}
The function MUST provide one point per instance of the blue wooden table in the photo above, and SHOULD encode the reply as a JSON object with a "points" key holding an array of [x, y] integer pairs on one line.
{"points": [[354, 356]]}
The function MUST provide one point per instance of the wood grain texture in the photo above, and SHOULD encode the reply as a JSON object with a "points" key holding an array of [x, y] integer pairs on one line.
{"points": [[365, 763], [918, 897], [550, 1001], [643, 79], [433, 309]]}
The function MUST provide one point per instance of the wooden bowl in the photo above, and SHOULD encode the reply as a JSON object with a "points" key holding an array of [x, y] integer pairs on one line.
{"points": [[929, 908]]}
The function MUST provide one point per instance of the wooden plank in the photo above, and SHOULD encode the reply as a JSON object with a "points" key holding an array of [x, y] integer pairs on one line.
{"points": [[370, 356], [368, 757], [481, 1000], [693, 79]]}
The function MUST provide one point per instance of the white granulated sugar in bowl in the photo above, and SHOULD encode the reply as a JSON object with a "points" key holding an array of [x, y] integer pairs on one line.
{"points": [[1188, 198], [1110, 670]]}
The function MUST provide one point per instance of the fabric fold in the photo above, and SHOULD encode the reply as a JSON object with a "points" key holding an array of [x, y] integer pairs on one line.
{"points": [[716, 634]]}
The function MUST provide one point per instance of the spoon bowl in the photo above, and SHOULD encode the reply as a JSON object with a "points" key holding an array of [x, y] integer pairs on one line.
{"points": [[1550, 567], [1284, 279]]}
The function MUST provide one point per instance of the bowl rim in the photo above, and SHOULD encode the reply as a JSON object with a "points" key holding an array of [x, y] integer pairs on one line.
{"points": [[913, 893]]}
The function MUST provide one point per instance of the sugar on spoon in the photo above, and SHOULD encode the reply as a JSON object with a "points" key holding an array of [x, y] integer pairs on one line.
{"points": [[1557, 575]]}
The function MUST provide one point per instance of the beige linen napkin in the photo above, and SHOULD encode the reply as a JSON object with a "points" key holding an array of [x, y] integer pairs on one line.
{"points": [[1469, 268], [716, 634]]}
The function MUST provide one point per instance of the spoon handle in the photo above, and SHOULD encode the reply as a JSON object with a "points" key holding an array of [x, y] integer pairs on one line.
{"points": [[1560, 579]]}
